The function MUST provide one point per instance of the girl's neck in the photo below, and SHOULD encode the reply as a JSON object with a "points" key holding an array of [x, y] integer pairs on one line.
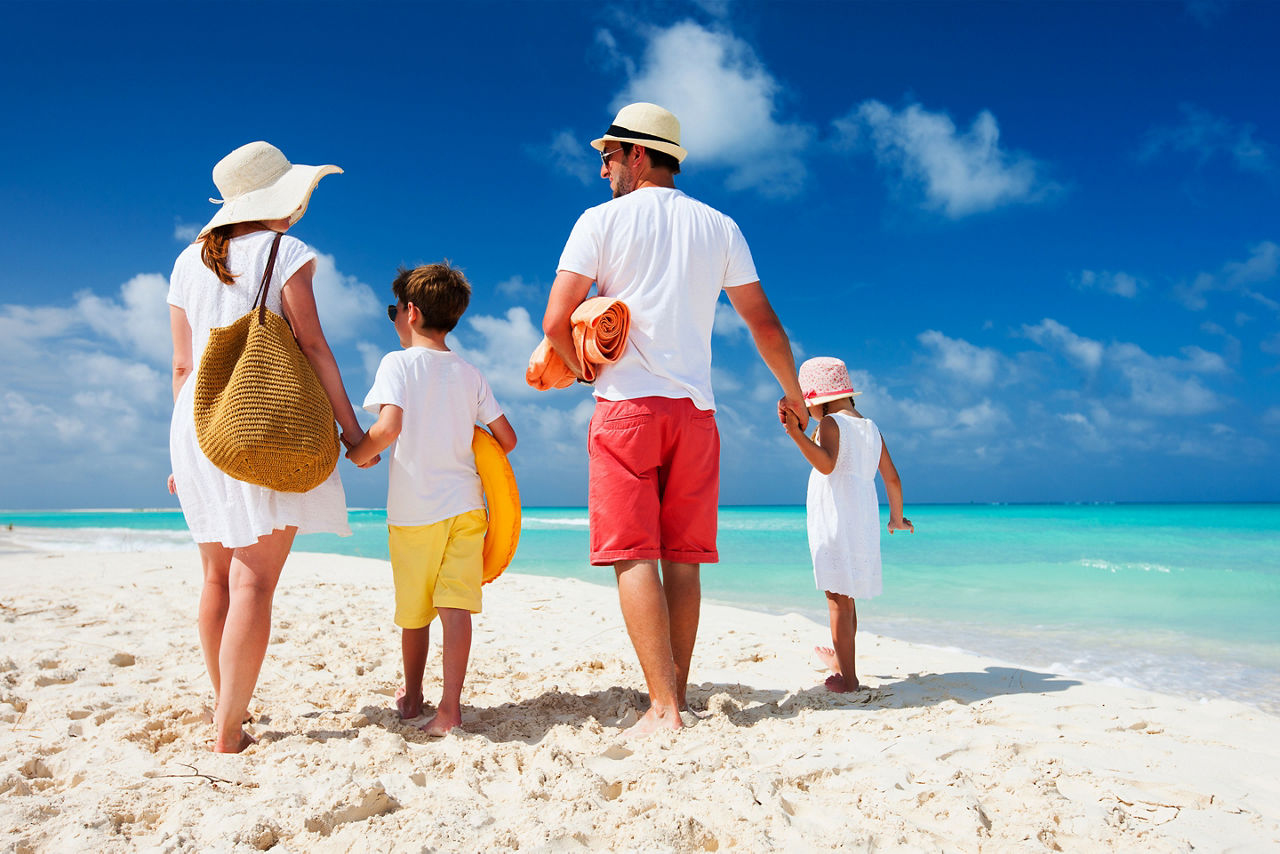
{"points": [[842, 405]]}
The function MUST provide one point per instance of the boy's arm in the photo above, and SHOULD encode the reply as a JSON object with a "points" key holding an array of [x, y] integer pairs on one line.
{"points": [[893, 489], [821, 457], [380, 436], [504, 433]]}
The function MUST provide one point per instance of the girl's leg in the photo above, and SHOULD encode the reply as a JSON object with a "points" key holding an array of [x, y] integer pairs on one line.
{"points": [[414, 644], [455, 624], [215, 560], [843, 616], [255, 570]]}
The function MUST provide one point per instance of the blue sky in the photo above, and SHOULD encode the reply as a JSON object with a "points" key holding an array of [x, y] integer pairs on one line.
{"points": [[1044, 236]]}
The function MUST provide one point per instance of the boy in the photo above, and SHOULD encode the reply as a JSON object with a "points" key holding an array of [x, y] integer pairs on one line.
{"points": [[430, 399]]}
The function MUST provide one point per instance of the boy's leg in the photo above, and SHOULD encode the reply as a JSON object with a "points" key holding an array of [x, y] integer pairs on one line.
{"points": [[455, 623], [414, 644], [843, 616]]}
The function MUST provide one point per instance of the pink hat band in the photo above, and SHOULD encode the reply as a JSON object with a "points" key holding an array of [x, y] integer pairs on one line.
{"points": [[837, 392]]}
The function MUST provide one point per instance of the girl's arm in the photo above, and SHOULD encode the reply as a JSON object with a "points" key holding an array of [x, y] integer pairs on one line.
{"points": [[893, 489], [502, 431], [300, 309], [821, 457], [180, 329], [380, 436]]}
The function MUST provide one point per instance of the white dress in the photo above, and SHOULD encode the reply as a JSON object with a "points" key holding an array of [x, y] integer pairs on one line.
{"points": [[844, 513], [217, 507]]}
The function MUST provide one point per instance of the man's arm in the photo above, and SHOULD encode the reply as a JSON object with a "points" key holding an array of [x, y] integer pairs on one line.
{"points": [[567, 293], [771, 340]]}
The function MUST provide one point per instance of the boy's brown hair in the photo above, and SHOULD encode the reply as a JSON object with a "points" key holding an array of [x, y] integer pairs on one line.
{"points": [[440, 292]]}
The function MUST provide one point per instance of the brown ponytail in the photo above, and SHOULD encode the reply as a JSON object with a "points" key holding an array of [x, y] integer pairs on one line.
{"points": [[217, 249]]}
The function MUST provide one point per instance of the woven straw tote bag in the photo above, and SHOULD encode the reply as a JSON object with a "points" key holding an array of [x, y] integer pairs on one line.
{"points": [[261, 414]]}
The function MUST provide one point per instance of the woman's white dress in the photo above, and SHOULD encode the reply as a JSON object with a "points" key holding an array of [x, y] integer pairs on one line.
{"points": [[218, 508], [844, 513]]}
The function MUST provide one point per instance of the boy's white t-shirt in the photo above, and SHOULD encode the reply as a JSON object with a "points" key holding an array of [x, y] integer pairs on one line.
{"points": [[433, 472], [667, 256]]}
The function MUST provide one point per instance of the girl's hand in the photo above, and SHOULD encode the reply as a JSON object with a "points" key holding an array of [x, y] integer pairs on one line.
{"points": [[903, 524], [790, 422]]}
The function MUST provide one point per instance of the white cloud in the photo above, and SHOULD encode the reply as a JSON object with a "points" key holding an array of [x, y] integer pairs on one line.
{"points": [[139, 321], [571, 155], [1117, 284], [727, 102], [1239, 277], [1084, 353], [959, 173], [973, 364], [1205, 136], [185, 232], [344, 303], [500, 347], [729, 324], [516, 288]]}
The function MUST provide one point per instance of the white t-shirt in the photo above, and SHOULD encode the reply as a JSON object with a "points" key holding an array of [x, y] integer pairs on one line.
{"points": [[667, 257], [433, 472]]}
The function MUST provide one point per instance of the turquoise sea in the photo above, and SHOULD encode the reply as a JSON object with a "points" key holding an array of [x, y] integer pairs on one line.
{"points": [[1179, 598]]}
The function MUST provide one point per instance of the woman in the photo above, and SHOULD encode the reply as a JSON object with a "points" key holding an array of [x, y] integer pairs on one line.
{"points": [[245, 531]]}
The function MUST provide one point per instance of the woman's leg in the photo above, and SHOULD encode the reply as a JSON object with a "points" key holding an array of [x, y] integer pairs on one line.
{"points": [[252, 579], [215, 560]]}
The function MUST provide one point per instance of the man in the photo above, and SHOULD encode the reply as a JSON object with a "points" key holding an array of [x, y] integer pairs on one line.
{"points": [[653, 446]]}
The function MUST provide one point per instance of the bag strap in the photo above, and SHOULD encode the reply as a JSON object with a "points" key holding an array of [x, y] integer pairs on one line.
{"points": [[260, 301]]}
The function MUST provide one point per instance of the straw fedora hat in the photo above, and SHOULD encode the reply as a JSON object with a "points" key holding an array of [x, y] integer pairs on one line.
{"points": [[824, 379], [648, 125], [258, 182]]}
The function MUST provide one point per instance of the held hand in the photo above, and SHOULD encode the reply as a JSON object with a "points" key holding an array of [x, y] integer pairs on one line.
{"points": [[790, 423], [795, 406], [903, 524], [173, 487]]}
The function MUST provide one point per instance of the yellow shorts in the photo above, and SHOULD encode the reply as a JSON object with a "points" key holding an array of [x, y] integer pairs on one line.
{"points": [[437, 566]]}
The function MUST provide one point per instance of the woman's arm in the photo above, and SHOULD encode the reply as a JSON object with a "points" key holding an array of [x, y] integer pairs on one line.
{"points": [[180, 329], [821, 457], [300, 310]]}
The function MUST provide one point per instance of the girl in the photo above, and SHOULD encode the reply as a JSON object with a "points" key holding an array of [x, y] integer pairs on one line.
{"points": [[843, 512], [245, 531]]}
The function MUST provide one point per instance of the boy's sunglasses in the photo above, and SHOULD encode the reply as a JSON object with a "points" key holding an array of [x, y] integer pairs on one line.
{"points": [[391, 313]]}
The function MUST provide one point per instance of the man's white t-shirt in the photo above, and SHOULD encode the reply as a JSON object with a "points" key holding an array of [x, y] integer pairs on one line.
{"points": [[667, 257], [433, 472]]}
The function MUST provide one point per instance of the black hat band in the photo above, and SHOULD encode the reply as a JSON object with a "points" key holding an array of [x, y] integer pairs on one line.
{"points": [[616, 130]]}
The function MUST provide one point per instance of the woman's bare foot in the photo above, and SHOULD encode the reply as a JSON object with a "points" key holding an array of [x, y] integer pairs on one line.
{"points": [[233, 745], [410, 707], [837, 684], [827, 656], [441, 724]]}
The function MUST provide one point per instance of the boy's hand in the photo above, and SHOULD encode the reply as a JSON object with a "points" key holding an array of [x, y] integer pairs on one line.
{"points": [[903, 524]]}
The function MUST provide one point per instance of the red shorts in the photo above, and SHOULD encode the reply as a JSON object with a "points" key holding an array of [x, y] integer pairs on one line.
{"points": [[654, 481]]}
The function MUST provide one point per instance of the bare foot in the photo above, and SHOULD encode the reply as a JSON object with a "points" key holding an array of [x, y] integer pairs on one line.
{"points": [[654, 721], [441, 724], [827, 656], [410, 707], [836, 684], [232, 745]]}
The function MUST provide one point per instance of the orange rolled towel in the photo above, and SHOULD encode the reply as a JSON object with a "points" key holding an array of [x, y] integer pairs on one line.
{"points": [[600, 328]]}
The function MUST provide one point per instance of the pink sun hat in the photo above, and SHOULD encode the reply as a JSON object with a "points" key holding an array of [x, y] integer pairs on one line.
{"points": [[824, 379]]}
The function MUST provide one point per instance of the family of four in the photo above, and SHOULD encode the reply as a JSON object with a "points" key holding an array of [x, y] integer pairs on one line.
{"points": [[653, 445]]}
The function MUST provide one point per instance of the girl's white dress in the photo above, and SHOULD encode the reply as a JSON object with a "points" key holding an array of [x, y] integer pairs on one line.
{"points": [[217, 507], [844, 513]]}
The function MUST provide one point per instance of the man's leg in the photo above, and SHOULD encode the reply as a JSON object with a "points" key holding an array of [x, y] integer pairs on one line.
{"points": [[644, 609], [682, 588]]}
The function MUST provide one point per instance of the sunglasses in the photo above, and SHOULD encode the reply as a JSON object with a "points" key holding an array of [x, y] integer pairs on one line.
{"points": [[392, 311], [605, 155]]}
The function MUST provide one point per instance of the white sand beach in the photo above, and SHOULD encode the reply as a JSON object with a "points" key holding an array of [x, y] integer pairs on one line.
{"points": [[103, 709]]}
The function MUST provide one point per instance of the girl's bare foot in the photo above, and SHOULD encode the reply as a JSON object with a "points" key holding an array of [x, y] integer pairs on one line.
{"points": [[827, 656], [410, 707], [837, 684]]}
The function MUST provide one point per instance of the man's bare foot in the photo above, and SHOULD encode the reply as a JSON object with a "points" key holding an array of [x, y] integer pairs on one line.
{"points": [[654, 721], [441, 724], [410, 707], [837, 684], [827, 656], [233, 745]]}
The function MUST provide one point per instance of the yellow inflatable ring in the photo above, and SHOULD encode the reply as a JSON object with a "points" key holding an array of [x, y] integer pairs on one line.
{"points": [[502, 499]]}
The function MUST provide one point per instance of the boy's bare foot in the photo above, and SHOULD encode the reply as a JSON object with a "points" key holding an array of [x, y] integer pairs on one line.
{"points": [[653, 721], [827, 656], [837, 684], [232, 745], [410, 707], [441, 724]]}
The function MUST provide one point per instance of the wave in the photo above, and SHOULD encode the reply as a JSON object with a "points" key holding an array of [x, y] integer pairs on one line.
{"points": [[98, 539], [1111, 567]]}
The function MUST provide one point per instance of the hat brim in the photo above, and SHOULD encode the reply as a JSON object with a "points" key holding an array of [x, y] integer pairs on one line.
{"points": [[287, 197], [657, 145], [820, 399]]}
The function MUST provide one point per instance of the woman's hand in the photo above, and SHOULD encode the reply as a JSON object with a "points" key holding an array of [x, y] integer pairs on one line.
{"points": [[173, 487]]}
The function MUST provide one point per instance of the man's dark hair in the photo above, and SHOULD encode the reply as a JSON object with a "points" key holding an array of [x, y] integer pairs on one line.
{"points": [[659, 159]]}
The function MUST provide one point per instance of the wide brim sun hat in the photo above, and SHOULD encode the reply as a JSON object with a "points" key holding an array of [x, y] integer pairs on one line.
{"points": [[645, 124], [824, 379], [258, 182]]}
